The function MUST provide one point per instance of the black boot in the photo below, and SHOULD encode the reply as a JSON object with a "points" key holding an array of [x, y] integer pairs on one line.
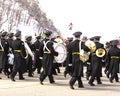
{"points": [[111, 81], [21, 76], [107, 74], [71, 86], [41, 81], [65, 73], [91, 84], [51, 79], [12, 78], [80, 86]]}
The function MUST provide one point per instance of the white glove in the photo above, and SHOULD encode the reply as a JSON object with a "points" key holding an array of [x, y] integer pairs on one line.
{"points": [[88, 63], [33, 58], [41, 58], [69, 64], [103, 60]]}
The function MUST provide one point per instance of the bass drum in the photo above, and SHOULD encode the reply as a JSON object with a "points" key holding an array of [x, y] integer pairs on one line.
{"points": [[62, 52]]}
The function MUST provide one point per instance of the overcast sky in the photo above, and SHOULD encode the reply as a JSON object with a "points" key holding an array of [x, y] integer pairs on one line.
{"points": [[91, 17]]}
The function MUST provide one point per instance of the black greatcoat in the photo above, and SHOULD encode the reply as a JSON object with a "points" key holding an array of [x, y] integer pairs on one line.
{"points": [[38, 63], [68, 61], [10, 43], [19, 60], [77, 67], [96, 62], [114, 62], [47, 58], [69, 55], [1, 52], [5, 46], [29, 61]]}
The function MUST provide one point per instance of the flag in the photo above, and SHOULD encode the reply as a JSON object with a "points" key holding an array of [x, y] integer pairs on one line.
{"points": [[70, 26]]}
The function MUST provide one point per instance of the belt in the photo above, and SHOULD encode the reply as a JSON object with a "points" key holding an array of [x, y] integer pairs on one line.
{"points": [[17, 51], [37, 49], [93, 53], [75, 53], [1, 50], [114, 57], [46, 52]]}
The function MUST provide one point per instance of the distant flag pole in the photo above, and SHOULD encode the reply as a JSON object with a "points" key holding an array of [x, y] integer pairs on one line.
{"points": [[70, 26], [35, 34]]}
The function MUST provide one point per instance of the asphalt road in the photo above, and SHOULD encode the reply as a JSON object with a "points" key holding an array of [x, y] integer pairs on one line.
{"points": [[31, 87]]}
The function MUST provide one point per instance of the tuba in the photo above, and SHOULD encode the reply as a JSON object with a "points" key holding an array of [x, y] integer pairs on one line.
{"points": [[84, 56], [100, 52], [91, 45]]}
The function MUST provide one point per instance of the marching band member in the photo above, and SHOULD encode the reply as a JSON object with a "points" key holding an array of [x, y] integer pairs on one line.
{"points": [[107, 47], [11, 51], [96, 63], [84, 39], [47, 52], [89, 69], [1, 48], [4, 59], [29, 60], [19, 57], [77, 64], [38, 62], [68, 68], [113, 61]]}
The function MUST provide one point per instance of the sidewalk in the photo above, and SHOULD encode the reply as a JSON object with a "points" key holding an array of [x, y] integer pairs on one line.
{"points": [[31, 87]]}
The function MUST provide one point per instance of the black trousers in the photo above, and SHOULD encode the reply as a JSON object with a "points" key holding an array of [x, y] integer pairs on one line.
{"points": [[88, 70], [114, 76], [68, 70], [74, 79], [29, 65], [43, 76], [14, 72], [93, 78]]}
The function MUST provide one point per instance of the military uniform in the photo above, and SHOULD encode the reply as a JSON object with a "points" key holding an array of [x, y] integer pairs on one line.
{"points": [[38, 62], [77, 64], [68, 62], [11, 51], [88, 64], [29, 61], [113, 61], [4, 52], [47, 52], [96, 64], [19, 57]]}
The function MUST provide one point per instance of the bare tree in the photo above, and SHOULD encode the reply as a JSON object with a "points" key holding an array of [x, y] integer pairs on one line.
{"points": [[15, 12]]}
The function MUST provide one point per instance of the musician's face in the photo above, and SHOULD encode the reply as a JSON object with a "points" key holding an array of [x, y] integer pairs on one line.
{"points": [[20, 37], [48, 37]]}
